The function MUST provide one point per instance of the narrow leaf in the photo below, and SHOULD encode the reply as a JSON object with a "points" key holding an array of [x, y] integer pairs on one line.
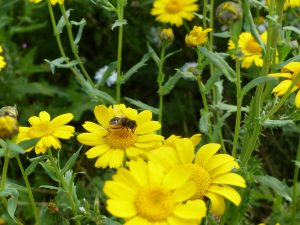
{"points": [[256, 82], [28, 143], [153, 54], [170, 84], [70, 163], [81, 25]]}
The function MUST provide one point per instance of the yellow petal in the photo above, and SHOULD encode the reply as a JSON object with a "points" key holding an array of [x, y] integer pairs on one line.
{"points": [[34, 120], [229, 166], [90, 139], [123, 209], [286, 75], [185, 150], [227, 192], [103, 160], [148, 127], [231, 179], [143, 117], [132, 152], [119, 191], [174, 220], [103, 115], [117, 158], [64, 132], [150, 138], [160, 155], [206, 152], [184, 192], [137, 220], [138, 170], [193, 210], [96, 151], [196, 138], [282, 87], [44, 117], [125, 177], [155, 173], [177, 177], [217, 203], [94, 128], [297, 99], [218, 160], [62, 120]]}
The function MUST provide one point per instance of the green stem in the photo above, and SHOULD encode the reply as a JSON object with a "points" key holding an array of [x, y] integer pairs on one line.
{"points": [[73, 46], [160, 80], [120, 13], [63, 184], [295, 181], [4, 171], [239, 108], [204, 14], [29, 191]]}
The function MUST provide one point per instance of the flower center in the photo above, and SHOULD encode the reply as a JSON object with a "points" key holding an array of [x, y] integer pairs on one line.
{"points": [[120, 138], [201, 178], [42, 130], [173, 6], [253, 47], [154, 203]]}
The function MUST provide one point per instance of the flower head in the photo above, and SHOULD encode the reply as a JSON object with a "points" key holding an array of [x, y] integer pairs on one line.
{"points": [[211, 172], [8, 127], [167, 35], [197, 36], [250, 49], [289, 71], [49, 131], [53, 2], [174, 11], [229, 12], [2, 60], [145, 194], [120, 132]]}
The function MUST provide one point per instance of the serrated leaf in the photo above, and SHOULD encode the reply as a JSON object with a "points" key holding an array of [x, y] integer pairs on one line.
{"points": [[170, 84], [59, 63], [153, 54], [81, 25], [135, 68], [12, 196], [277, 123], [204, 121], [256, 82], [142, 105], [49, 169], [33, 164], [228, 107], [276, 185], [61, 23], [118, 23], [70, 163], [216, 59], [28, 143], [50, 187]]}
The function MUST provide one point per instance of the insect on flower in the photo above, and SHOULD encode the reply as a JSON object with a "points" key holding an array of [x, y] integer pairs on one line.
{"points": [[122, 122]]}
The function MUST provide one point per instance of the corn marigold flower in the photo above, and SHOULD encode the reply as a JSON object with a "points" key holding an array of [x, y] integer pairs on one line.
{"points": [[8, 127], [251, 50], [2, 62], [53, 2], [288, 3], [145, 194], [49, 131], [174, 11], [167, 35], [211, 172], [121, 132], [289, 71], [197, 36], [228, 12]]}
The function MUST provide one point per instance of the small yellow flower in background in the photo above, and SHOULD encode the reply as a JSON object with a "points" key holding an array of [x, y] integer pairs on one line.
{"points": [[145, 194], [197, 36], [2, 221], [289, 3], [122, 132], [2, 60], [53, 2], [167, 35], [251, 50], [174, 11], [49, 131], [211, 172], [8, 127], [290, 72], [229, 12], [1, 49]]}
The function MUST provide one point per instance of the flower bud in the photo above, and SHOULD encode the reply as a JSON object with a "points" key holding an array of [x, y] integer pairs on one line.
{"points": [[228, 12], [8, 127], [167, 35]]}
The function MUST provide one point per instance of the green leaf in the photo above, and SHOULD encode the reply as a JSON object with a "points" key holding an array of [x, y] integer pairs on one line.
{"points": [[59, 63], [12, 196], [50, 187], [225, 34], [297, 163], [220, 63], [34, 162], [81, 25], [142, 105], [276, 185], [50, 170], [93, 92], [61, 23], [277, 123], [108, 221], [172, 53], [14, 149], [204, 121], [228, 107], [118, 23], [153, 54], [256, 82], [70, 163], [136, 67], [170, 84], [28, 143]]}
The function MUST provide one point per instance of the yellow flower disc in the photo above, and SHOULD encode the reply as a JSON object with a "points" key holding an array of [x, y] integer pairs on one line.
{"points": [[120, 138]]}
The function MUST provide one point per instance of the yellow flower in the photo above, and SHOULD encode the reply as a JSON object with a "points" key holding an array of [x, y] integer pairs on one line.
{"points": [[1, 49], [197, 36], [2, 62], [167, 35], [145, 194], [49, 131], [211, 172], [290, 72], [228, 12], [122, 132], [170, 141], [8, 127], [289, 3], [53, 2], [251, 50], [174, 11]]}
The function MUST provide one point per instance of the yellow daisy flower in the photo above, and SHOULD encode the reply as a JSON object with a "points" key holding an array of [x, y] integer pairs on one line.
{"points": [[289, 3], [197, 36], [251, 50], [211, 172], [2, 62], [174, 11], [290, 72], [121, 132], [8, 127], [170, 141], [53, 2], [145, 194], [1, 49], [49, 131]]}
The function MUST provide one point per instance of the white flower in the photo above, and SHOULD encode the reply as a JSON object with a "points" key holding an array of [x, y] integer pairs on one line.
{"points": [[187, 70], [112, 79]]}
